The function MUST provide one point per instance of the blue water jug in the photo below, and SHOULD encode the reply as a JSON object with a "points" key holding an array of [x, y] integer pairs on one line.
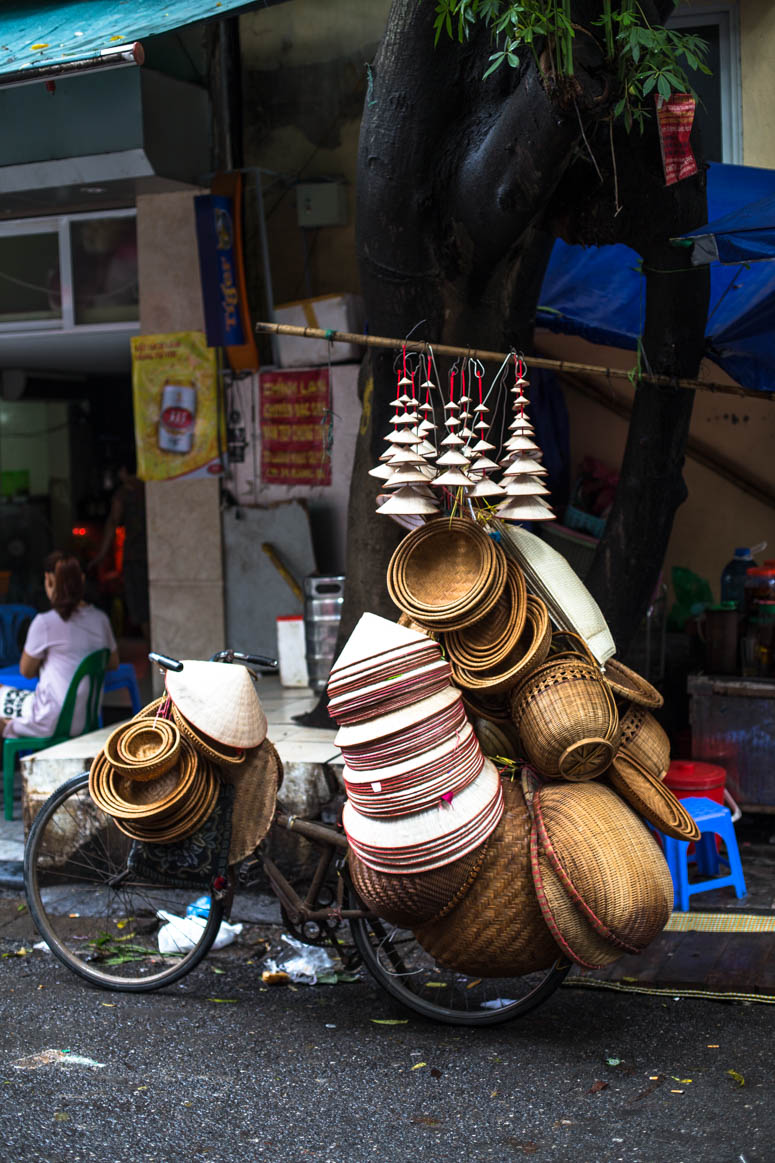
{"points": [[733, 576]]}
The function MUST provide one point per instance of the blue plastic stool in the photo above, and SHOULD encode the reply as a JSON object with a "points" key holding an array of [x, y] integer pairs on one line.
{"points": [[713, 820], [124, 678]]}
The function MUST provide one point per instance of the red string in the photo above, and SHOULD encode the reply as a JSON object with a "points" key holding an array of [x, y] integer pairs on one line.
{"points": [[463, 380], [404, 350], [413, 396], [451, 384], [479, 377]]}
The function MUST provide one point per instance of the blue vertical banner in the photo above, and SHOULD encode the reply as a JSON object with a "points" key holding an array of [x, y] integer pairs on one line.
{"points": [[218, 270]]}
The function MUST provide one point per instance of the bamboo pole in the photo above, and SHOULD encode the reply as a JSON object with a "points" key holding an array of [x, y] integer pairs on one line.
{"points": [[555, 365]]}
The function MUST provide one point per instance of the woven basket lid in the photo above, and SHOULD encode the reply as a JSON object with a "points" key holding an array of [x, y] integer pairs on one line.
{"points": [[256, 783], [372, 637], [652, 799], [626, 684], [414, 899], [220, 701], [497, 930], [570, 603]]}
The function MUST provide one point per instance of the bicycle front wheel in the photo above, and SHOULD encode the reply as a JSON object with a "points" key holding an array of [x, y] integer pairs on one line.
{"points": [[413, 977], [98, 917]]}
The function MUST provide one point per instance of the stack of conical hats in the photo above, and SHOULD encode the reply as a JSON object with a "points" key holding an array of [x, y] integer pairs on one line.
{"points": [[522, 468], [421, 795], [404, 468]]}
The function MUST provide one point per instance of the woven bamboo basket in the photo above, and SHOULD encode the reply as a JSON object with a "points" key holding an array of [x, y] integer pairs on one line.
{"points": [[567, 719], [210, 748], [487, 705], [418, 898], [143, 750], [643, 740], [597, 867], [497, 930], [529, 652], [498, 740], [652, 799], [491, 639], [627, 684]]}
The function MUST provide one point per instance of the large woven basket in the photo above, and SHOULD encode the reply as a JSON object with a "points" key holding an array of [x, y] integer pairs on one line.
{"points": [[566, 718], [597, 867], [497, 930], [644, 741], [417, 898]]}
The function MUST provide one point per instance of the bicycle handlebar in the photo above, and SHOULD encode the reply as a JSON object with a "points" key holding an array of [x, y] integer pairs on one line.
{"points": [[168, 663]]}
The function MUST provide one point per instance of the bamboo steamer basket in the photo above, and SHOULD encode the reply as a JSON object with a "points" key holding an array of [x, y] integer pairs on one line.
{"points": [[529, 652], [497, 930], [597, 867], [644, 741], [491, 639], [447, 574], [566, 717], [416, 898]]}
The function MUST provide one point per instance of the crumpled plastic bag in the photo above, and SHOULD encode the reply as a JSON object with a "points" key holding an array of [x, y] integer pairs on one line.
{"points": [[305, 964], [180, 934]]}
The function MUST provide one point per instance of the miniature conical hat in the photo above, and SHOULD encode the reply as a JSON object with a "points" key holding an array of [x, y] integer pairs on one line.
{"points": [[408, 500], [525, 486], [373, 636], [220, 700], [524, 509]]}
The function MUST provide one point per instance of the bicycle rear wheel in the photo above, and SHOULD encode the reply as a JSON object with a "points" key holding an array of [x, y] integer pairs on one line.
{"points": [[413, 977], [99, 918]]}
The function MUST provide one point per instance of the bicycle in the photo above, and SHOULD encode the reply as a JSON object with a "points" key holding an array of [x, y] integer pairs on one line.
{"points": [[101, 919]]}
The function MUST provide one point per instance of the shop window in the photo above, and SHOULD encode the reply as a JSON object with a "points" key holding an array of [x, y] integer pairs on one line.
{"points": [[104, 259], [719, 106], [29, 279]]}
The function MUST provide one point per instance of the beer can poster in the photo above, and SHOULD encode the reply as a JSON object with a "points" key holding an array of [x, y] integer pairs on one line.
{"points": [[174, 383], [294, 428]]}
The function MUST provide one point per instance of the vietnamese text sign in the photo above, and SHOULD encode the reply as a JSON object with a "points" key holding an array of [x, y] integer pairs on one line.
{"points": [[294, 427]]}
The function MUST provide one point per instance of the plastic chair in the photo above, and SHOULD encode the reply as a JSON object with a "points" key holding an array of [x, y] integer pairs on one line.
{"points": [[12, 620], [713, 820], [124, 678], [93, 667]]}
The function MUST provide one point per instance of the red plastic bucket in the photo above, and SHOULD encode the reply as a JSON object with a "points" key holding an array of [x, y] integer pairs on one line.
{"points": [[689, 777]]}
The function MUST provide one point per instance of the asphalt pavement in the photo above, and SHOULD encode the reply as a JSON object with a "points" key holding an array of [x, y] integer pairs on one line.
{"points": [[221, 1068]]}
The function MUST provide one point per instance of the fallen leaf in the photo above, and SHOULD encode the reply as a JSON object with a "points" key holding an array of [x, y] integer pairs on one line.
{"points": [[435, 1072], [215, 969], [471, 984], [228, 1001], [597, 1086], [21, 908], [683, 1081], [61, 1117], [425, 1121], [435, 985], [389, 1021], [653, 1078], [493, 1094], [419, 1065], [676, 1092], [737, 1077], [111, 1005]]}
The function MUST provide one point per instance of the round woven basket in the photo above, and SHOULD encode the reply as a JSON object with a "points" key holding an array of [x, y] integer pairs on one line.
{"points": [[652, 799], [643, 741], [487, 705], [498, 740], [491, 639], [210, 748], [190, 815], [529, 652], [497, 930], [447, 574], [415, 899], [626, 684], [607, 872], [567, 719], [410, 624], [126, 798], [144, 749]]}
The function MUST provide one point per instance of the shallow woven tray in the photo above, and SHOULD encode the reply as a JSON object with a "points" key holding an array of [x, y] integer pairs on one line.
{"points": [[652, 799], [143, 750], [491, 639], [626, 684]]}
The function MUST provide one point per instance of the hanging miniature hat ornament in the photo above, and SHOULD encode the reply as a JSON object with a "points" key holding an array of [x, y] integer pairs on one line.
{"points": [[523, 468], [482, 465], [409, 472], [453, 461]]}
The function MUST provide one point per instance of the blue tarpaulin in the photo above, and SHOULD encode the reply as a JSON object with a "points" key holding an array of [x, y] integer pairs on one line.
{"points": [[746, 235], [34, 35], [598, 293]]}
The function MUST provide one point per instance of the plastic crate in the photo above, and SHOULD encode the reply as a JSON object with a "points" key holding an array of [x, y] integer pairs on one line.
{"points": [[586, 522]]}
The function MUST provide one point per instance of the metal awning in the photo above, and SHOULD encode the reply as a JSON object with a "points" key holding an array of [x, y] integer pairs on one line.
{"points": [[42, 39]]}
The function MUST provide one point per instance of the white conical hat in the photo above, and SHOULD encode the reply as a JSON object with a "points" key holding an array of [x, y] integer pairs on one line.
{"points": [[453, 476], [483, 464], [408, 500], [524, 509], [487, 488], [406, 474], [521, 444], [482, 446], [373, 636], [453, 457], [524, 466], [220, 700]]}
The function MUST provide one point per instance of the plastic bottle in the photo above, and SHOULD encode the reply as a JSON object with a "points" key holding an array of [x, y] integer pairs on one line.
{"points": [[733, 577]]}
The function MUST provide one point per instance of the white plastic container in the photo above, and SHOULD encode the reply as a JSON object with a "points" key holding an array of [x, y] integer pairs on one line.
{"points": [[291, 651]]}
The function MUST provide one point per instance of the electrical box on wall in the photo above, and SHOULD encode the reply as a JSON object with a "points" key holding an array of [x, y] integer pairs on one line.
{"points": [[321, 203]]}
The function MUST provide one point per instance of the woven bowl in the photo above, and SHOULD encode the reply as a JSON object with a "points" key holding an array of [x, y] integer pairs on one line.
{"points": [[185, 822], [418, 898], [607, 870], [626, 684], [143, 749], [122, 796], [210, 748], [491, 639], [644, 741], [497, 930], [567, 719], [529, 652], [447, 574], [648, 796]]}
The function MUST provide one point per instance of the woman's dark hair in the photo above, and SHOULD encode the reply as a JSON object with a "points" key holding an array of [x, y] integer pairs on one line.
{"points": [[68, 582]]}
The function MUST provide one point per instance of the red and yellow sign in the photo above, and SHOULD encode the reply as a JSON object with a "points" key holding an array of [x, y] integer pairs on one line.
{"points": [[294, 427]]}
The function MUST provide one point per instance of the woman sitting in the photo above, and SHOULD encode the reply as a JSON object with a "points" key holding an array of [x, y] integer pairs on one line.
{"points": [[57, 643]]}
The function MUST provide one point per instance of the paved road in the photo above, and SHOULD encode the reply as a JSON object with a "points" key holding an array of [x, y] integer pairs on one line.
{"points": [[304, 1074]]}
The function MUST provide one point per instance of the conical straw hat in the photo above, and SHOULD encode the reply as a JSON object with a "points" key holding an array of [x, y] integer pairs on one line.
{"points": [[220, 700], [373, 636], [408, 500], [524, 509]]}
